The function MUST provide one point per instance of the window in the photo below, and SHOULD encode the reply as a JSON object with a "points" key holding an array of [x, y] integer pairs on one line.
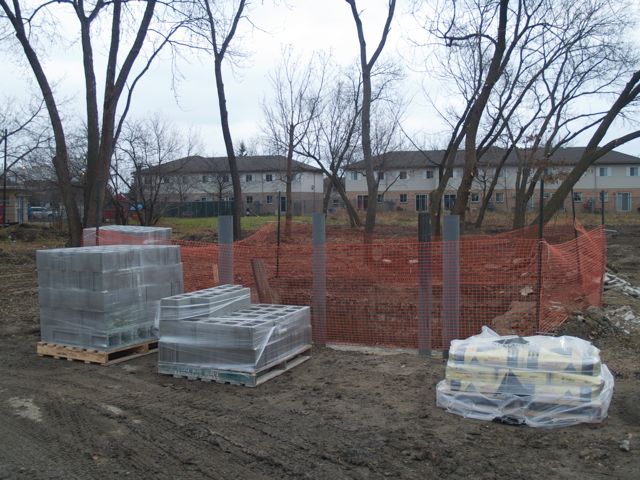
{"points": [[205, 178], [380, 198], [544, 195], [633, 171], [380, 175], [363, 202], [604, 197], [403, 198], [499, 196], [475, 197], [269, 199], [354, 176], [249, 199], [604, 172], [248, 178], [577, 197], [623, 202], [449, 200], [421, 202], [203, 199], [268, 177], [501, 173], [335, 202], [225, 178], [456, 173], [429, 173], [402, 175]]}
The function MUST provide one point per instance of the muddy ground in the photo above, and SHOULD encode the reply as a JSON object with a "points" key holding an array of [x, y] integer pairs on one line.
{"points": [[339, 415]]}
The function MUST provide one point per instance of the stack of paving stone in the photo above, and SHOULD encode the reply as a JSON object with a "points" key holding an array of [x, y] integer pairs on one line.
{"points": [[219, 329], [105, 297], [539, 381], [127, 235]]}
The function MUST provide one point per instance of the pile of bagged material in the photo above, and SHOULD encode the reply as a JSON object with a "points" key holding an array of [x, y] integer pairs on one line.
{"points": [[539, 381], [127, 235], [219, 329], [105, 297]]}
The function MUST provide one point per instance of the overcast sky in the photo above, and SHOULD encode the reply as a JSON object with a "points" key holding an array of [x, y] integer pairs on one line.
{"points": [[306, 25]]}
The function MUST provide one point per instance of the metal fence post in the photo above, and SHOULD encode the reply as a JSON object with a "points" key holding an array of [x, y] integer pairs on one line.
{"points": [[424, 284], [225, 249], [450, 280], [540, 253], [319, 293]]}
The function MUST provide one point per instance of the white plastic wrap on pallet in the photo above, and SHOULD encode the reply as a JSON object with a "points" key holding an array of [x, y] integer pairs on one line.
{"points": [[107, 296], [127, 235], [539, 381], [218, 328]]}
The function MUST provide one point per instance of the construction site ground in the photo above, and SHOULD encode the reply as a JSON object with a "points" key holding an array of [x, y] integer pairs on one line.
{"points": [[343, 414]]}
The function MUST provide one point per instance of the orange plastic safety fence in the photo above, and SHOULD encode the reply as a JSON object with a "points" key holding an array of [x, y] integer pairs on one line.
{"points": [[511, 282]]}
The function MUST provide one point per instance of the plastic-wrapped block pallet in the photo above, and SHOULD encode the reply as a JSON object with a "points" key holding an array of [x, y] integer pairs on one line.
{"points": [[538, 381], [105, 297], [127, 235], [228, 335]]}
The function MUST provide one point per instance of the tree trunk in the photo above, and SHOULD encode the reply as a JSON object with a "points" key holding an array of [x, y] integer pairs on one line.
{"points": [[61, 158], [354, 218], [475, 115], [231, 156]]}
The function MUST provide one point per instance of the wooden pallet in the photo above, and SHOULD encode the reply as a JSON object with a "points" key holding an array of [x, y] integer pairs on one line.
{"points": [[233, 377], [90, 355]]}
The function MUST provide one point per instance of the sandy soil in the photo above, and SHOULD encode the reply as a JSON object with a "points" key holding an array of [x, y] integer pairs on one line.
{"points": [[339, 415]]}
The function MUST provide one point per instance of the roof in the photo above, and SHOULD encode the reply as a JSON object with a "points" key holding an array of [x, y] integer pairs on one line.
{"points": [[431, 158], [204, 165]]}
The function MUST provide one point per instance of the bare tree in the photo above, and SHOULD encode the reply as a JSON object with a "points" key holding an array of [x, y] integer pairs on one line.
{"points": [[216, 24], [296, 104], [594, 150], [127, 22], [333, 138], [366, 67], [143, 155]]}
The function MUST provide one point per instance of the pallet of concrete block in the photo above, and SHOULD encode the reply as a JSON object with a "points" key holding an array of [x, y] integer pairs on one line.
{"points": [[218, 335], [539, 381], [104, 298], [127, 235]]}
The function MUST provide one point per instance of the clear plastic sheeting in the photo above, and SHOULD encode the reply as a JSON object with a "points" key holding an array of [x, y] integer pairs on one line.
{"points": [[220, 329], [539, 381], [105, 297], [127, 235]]}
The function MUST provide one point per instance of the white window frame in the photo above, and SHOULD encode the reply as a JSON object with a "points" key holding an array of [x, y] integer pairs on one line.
{"points": [[577, 197], [607, 171], [477, 195], [248, 199], [354, 175], [380, 198], [497, 197], [380, 175], [406, 198], [631, 169], [269, 199], [268, 177], [403, 175], [428, 174], [248, 178]]}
